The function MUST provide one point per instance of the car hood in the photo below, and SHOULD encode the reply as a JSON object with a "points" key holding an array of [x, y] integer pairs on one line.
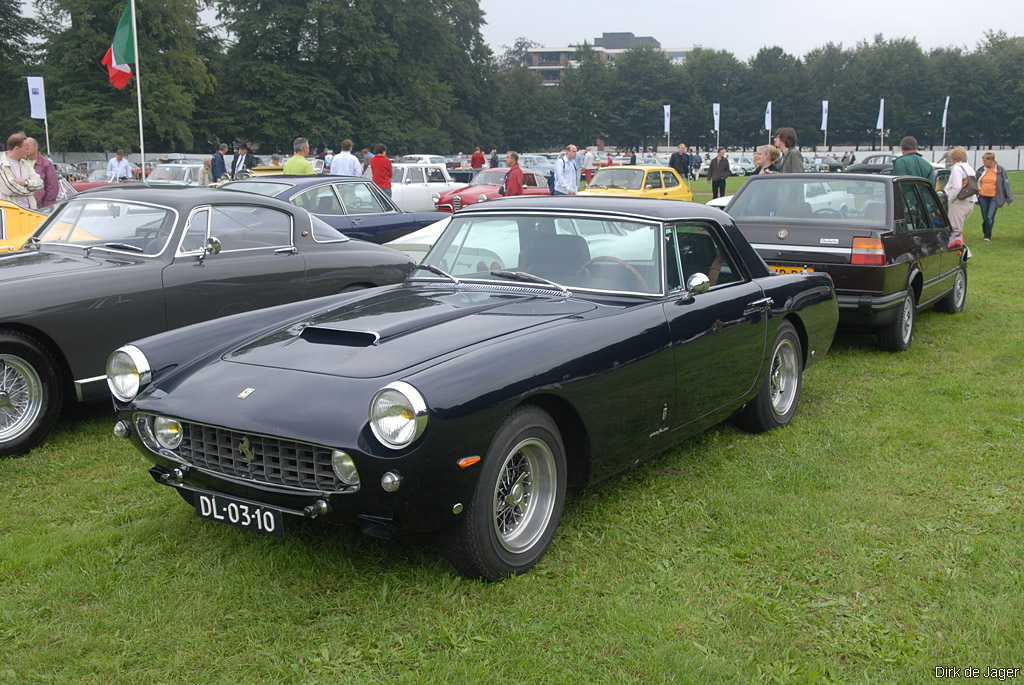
{"points": [[33, 263], [471, 192], [398, 329]]}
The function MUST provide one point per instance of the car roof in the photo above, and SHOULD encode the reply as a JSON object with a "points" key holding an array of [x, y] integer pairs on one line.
{"points": [[637, 207], [300, 181], [181, 198]]}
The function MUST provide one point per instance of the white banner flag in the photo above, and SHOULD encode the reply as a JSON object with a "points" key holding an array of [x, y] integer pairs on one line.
{"points": [[824, 115], [668, 117], [768, 117], [945, 110], [881, 114], [715, 110], [37, 97]]}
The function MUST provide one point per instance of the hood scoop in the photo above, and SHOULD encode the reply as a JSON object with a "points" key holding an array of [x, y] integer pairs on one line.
{"points": [[320, 335]]}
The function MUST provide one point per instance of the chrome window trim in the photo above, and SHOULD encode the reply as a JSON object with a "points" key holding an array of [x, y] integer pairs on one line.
{"points": [[211, 207], [782, 247]]}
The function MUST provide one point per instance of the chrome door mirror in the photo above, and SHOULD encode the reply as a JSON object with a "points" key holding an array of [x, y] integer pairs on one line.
{"points": [[212, 246], [697, 284]]}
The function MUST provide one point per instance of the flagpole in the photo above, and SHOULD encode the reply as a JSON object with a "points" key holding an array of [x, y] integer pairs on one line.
{"points": [[138, 90]]}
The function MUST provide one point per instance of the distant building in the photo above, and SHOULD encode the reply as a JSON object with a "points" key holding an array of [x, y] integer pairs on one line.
{"points": [[551, 63]]}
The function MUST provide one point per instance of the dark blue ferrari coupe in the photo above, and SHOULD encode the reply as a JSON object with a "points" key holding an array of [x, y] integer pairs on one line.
{"points": [[540, 345]]}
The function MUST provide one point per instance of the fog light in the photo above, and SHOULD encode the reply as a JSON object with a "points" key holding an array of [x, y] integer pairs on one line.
{"points": [[168, 432], [344, 468], [390, 481], [122, 429]]}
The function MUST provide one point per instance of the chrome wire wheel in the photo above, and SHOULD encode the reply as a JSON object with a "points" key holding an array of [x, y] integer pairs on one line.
{"points": [[784, 377], [21, 396], [524, 495]]}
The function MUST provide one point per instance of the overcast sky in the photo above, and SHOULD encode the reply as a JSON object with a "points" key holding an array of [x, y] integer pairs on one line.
{"points": [[744, 26]]}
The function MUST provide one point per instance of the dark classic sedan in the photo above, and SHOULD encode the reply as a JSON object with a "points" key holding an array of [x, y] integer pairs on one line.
{"points": [[886, 241], [539, 345], [879, 163], [356, 207], [117, 264]]}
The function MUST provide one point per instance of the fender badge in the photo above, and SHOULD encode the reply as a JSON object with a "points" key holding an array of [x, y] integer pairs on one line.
{"points": [[782, 234], [245, 393], [828, 241]]}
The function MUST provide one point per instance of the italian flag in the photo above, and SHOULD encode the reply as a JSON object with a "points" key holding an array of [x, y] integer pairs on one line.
{"points": [[121, 52]]}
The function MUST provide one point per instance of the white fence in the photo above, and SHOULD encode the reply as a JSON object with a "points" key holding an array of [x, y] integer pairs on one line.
{"points": [[1010, 158]]}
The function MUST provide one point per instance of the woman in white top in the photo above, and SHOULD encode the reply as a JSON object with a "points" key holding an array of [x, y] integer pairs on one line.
{"points": [[959, 210]]}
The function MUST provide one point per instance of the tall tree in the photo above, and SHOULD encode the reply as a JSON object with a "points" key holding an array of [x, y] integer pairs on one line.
{"points": [[86, 112], [15, 33]]}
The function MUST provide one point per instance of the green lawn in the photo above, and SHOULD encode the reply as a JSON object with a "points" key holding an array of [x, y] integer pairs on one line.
{"points": [[878, 537]]}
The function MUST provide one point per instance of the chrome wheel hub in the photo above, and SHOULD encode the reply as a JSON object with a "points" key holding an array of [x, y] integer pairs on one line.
{"points": [[21, 396], [784, 374], [524, 495], [908, 319]]}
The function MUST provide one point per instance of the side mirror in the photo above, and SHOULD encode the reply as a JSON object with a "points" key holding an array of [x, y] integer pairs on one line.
{"points": [[212, 246], [407, 180], [697, 284]]}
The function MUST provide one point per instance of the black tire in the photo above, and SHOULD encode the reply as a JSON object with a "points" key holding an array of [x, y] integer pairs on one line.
{"points": [[777, 400], [897, 336], [508, 525], [31, 392], [953, 303]]}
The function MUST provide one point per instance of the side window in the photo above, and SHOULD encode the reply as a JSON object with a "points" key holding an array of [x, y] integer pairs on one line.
{"points": [[932, 210], [415, 174], [654, 179], [700, 251], [435, 175], [672, 270], [529, 180], [670, 179], [358, 198], [913, 209], [250, 228], [195, 234], [319, 200], [397, 174]]}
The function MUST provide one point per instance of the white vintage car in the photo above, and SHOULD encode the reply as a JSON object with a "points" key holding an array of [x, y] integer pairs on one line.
{"points": [[414, 185]]}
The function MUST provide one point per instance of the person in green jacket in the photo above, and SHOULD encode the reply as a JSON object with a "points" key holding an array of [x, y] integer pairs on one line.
{"points": [[911, 163], [298, 164]]}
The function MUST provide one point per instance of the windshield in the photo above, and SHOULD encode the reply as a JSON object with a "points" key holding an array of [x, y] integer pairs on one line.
{"points": [[576, 252], [258, 187], [629, 179], [120, 226], [489, 177], [172, 173], [838, 200]]}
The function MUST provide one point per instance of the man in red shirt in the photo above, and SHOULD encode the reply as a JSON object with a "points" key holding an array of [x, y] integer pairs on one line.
{"points": [[513, 183], [381, 166], [477, 160]]}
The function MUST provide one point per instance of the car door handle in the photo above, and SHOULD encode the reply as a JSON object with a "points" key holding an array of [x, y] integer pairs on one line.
{"points": [[286, 250], [356, 222], [763, 303]]}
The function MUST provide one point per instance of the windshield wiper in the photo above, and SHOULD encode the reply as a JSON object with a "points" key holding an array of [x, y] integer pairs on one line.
{"points": [[525, 276], [440, 272], [124, 246]]}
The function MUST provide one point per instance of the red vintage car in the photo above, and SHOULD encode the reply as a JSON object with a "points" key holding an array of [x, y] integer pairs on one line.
{"points": [[485, 186]]}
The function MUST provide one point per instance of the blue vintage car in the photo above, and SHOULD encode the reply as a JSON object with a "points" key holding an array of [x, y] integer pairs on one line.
{"points": [[540, 345], [354, 206]]}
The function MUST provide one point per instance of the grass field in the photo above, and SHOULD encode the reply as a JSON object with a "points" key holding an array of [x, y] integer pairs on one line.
{"points": [[877, 538]]}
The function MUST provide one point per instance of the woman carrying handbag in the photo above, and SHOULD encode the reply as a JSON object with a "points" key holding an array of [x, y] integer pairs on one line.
{"points": [[961, 189]]}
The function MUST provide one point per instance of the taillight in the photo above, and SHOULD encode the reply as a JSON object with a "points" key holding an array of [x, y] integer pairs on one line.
{"points": [[868, 251]]}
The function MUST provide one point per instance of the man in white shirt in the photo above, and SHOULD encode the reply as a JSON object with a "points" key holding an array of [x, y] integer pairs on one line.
{"points": [[567, 173], [345, 163], [118, 168], [18, 179], [588, 165]]}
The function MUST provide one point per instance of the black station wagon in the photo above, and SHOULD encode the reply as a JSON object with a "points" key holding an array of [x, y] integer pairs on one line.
{"points": [[885, 240]]}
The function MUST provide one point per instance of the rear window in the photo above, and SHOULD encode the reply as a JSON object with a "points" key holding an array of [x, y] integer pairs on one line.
{"points": [[835, 200], [260, 188]]}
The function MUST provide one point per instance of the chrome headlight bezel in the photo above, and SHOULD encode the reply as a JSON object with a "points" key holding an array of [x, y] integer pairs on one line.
{"points": [[402, 396], [481, 198], [125, 382], [435, 198]]}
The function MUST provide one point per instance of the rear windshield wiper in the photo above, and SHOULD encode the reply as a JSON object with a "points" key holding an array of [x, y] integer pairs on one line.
{"points": [[440, 272], [525, 276]]}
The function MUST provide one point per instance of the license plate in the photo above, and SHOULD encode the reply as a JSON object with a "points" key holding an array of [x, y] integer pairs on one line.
{"points": [[790, 269], [236, 512]]}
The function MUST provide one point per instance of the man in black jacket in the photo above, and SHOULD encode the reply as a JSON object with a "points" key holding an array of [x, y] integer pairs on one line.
{"points": [[718, 172], [680, 161], [243, 160]]}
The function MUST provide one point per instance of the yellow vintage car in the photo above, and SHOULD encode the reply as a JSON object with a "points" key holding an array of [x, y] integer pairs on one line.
{"points": [[660, 183], [16, 225]]}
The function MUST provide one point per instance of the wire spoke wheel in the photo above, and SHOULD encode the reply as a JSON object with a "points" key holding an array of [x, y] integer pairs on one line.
{"points": [[524, 495], [21, 396]]}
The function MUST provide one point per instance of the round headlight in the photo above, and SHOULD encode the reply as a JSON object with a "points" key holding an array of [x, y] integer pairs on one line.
{"points": [[435, 198], [398, 414], [344, 468], [481, 198], [168, 432], [128, 372]]}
